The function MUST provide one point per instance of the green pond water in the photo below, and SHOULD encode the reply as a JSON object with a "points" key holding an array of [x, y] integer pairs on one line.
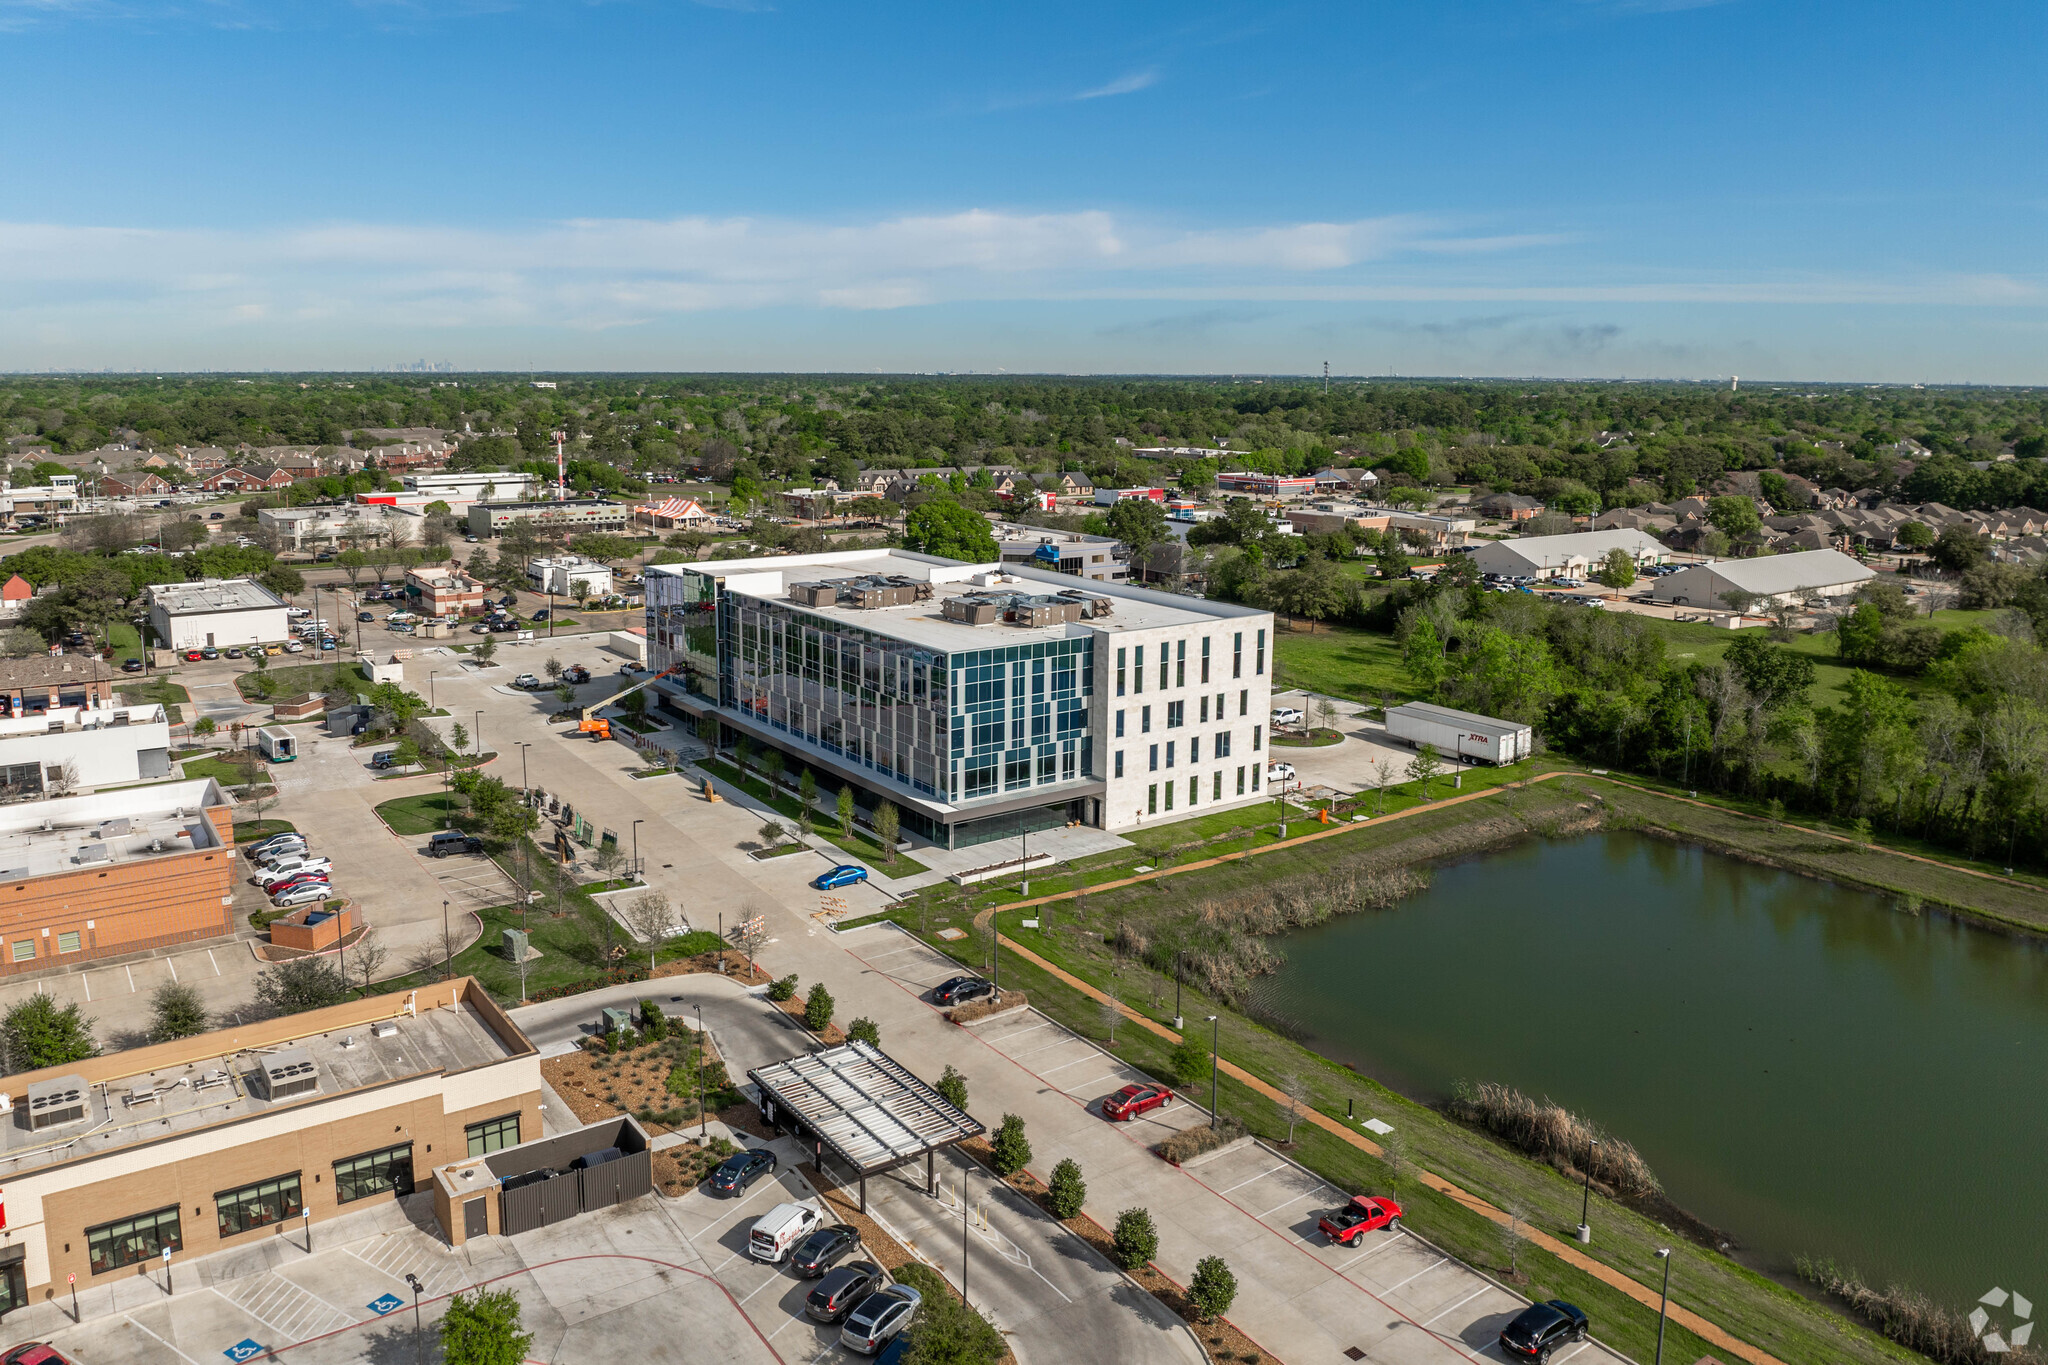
{"points": [[1803, 1065]]}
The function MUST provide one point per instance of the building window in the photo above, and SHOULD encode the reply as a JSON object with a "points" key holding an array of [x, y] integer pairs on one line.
{"points": [[24, 949], [1223, 744], [1119, 725], [492, 1134], [1180, 664], [1216, 794], [259, 1205], [133, 1240], [1119, 763], [1195, 749], [1205, 660], [1152, 799], [1244, 701], [1169, 796], [1205, 710], [1256, 731], [1138, 668], [1165, 665], [1120, 672], [1176, 714], [1194, 790], [67, 941], [1240, 779], [359, 1177], [1144, 720], [1237, 655], [1259, 659], [1155, 759], [1255, 777], [1169, 753]]}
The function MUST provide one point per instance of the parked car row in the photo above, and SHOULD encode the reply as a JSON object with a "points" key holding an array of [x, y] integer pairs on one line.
{"points": [[288, 871], [858, 1296]]}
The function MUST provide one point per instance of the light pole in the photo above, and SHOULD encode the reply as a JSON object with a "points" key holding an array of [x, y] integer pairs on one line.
{"points": [[476, 738], [447, 946], [414, 1281], [963, 1239], [524, 789], [703, 1117], [1586, 1200], [1024, 832], [1176, 991], [1213, 1027], [636, 847], [1663, 1302], [430, 692]]}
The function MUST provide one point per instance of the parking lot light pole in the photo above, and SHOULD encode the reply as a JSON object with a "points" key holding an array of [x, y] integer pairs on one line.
{"points": [[636, 847], [524, 745], [476, 738], [414, 1281], [1663, 1302], [430, 692], [447, 946], [1213, 1027], [1586, 1200]]}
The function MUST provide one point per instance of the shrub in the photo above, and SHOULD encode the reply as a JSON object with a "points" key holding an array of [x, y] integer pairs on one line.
{"points": [[483, 1329], [864, 1030], [1010, 1150], [39, 1032], [1213, 1288], [1067, 1191], [818, 1008], [952, 1088], [784, 989], [1190, 1061], [1190, 1143], [652, 1021], [1135, 1240]]}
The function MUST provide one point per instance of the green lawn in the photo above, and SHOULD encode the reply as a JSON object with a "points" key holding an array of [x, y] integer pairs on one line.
{"points": [[158, 689], [421, 814], [568, 953], [249, 830], [1340, 661], [824, 826], [291, 679], [220, 770]]}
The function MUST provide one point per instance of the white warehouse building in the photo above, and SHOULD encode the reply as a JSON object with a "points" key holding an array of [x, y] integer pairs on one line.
{"points": [[221, 612], [1768, 579], [561, 574], [70, 749], [1568, 556]]}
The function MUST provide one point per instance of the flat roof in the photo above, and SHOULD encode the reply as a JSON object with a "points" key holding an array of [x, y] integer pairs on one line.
{"points": [[174, 1088], [921, 623], [131, 824], [864, 1104], [1471, 720], [54, 670], [212, 595], [1771, 574]]}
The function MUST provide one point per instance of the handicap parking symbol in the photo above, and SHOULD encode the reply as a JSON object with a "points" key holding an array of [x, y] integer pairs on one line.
{"points": [[245, 1349], [386, 1303]]}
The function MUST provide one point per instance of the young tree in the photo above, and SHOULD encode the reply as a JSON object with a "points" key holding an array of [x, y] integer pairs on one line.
{"points": [[652, 922], [1394, 1155], [1189, 1061], [771, 767], [818, 1008], [486, 649], [304, 983], [38, 1033], [483, 1329], [365, 961], [772, 833], [844, 810], [1135, 1241], [1112, 1014], [1066, 1191], [1010, 1150], [1513, 1234], [553, 668], [806, 799], [175, 1011], [1617, 570], [1383, 775], [458, 737], [1296, 1091], [1424, 767], [864, 1030], [886, 830], [952, 1088], [1213, 1288]]}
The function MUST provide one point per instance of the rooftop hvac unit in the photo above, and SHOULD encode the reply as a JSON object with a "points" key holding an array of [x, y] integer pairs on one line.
{"points": [[384, 1028], [290, 1074], [54, 1103], [972, 611], [111, 828], [814, 594], [92, 853]]}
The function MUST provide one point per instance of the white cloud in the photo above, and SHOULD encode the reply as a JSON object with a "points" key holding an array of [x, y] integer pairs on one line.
{"points": [[1122, 85]]}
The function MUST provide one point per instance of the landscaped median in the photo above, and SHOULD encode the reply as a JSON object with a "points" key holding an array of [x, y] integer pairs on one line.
{"points": [[1456, 1181], [859, 844]]}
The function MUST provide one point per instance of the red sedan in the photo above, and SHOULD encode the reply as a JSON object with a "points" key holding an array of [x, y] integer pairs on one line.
{"points": [[1134, 1100], [1362, 1215]]}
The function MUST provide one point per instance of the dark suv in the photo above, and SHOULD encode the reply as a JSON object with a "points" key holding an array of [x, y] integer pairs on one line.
{"points": [[841, 1290], [1541, 1329], [453, 841]]}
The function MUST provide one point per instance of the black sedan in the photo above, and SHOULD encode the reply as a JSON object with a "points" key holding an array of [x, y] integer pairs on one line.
{"points": [[1541, 1329], [131, 665], [842, 1290], [740, 1170], [962, 989], [824, 1249]]}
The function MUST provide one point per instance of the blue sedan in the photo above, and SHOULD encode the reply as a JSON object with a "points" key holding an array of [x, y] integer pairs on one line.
{"points": [[846, 874]]}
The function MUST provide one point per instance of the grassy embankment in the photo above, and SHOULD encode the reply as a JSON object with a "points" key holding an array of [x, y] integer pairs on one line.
{"points": [[1078, 936], [559, 924]]}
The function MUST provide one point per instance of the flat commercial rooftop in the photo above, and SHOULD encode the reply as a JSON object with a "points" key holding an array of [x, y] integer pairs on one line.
{"points": [[213, 594], [1131, 608], [863, 1104], [73, 832], [214, 1087]]}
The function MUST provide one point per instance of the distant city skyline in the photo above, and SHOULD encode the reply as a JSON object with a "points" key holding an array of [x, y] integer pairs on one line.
{"points": [[1555, 188]]}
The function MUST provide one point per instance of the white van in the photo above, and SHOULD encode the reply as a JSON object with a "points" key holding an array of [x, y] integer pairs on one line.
{"points": [[779, 1229]]}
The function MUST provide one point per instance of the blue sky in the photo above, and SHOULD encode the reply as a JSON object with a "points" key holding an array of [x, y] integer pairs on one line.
{"points": [[1558, 187]]}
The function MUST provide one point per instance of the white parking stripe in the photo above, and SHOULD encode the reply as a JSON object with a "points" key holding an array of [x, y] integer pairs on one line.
{"points": [[1441, 1260], [1461, 1303], [1106, 1076], [1260, 1176], [1390, 1241], [1019, 1056], [1277, 1207], [1091, 1057]]}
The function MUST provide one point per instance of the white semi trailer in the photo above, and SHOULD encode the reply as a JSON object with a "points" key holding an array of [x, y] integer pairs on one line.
{"points": [[1459, 734]]}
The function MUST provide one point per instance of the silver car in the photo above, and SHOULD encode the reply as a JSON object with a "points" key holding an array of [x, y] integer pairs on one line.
{"points": [[879, 1318]]}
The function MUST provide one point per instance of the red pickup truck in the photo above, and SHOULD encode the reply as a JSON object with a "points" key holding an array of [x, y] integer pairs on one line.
{"points": [[1362, 1215]]}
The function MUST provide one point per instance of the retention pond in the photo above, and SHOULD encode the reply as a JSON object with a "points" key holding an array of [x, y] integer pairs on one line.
{"points": [[1805, 1066]]}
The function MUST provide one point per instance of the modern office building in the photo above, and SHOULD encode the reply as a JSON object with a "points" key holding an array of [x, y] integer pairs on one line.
{"points": [[217, 611], [221, 1140], [121, 871], [980, 699], [561, 573], [1100, 559]]}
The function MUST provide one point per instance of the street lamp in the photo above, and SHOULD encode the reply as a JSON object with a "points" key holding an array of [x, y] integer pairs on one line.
{"points": [[636, 843], [1586, 1200], [1176, 990], [524, 745], [1213, 1027], [1024, 833], [414, 1281], [447, 946], [1664, 1302], [476, 737], [430, 692]]}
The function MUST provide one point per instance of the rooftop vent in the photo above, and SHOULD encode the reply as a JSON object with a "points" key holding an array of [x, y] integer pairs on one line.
{"points": [[290, 1074], [56, 1102], [384, 1028]]}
